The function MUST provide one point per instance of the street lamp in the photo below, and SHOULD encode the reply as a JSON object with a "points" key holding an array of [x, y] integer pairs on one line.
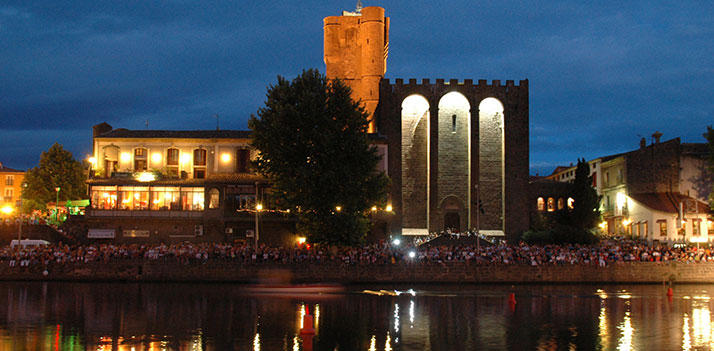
{"points": [[57, 190], [258, 208]]}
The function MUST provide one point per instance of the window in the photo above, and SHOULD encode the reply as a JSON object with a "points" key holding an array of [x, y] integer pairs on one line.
{"points": [[172, 162], [551, 204], [165, 198], [541, 204], [620, 178], [213, 198], [8, 194], [453, 123], [192, 199], [199, 163], [140, 159], [607, 178], [199, 157], [594, 179], [9, 180], [639, 229], [104, 197], [242, 160], [696, 224], [662, 223], [111, 157], [571, 203], [133, 198], [710, 227], [561, 203]]}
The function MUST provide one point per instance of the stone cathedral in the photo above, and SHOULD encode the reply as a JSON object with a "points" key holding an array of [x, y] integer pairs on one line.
{"points": [[456, 151]]}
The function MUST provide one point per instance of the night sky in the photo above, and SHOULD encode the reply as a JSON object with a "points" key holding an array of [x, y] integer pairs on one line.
{"points": [[602, 75]]}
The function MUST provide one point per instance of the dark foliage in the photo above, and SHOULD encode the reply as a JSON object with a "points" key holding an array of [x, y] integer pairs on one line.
{"points": [[315, 153]]}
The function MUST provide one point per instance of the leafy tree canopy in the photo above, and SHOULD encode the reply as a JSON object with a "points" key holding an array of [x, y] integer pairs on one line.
{"points": [[586, 209], [57, 168], [314, 151]]}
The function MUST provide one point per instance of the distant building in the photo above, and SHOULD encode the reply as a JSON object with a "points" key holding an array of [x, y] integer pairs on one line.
{"points": [[165, 186], [11, 181], [658, 192]]}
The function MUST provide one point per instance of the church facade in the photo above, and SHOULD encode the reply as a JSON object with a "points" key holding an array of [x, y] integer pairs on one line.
{"points": [[457, 150]]}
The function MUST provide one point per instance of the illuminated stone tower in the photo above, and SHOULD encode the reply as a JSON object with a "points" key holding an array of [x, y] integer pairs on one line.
{"points": [[356, 47]]}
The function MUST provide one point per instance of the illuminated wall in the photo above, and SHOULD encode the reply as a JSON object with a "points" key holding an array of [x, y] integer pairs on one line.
{"points": [[415, 161], [454, 159], [491, 162], [356, 47]]}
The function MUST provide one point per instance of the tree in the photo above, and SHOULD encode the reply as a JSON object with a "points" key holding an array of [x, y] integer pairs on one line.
{"points": [[709, 135], [57, 168], [586, 208], [313, 149]]}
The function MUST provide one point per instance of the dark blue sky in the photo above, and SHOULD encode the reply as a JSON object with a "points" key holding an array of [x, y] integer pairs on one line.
{"points": [[602, 74]]}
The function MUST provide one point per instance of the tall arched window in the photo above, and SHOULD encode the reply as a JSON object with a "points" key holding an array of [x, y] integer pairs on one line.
{"points": [[541, 204], [172, 162], [561, 203], [213, 198], [199, 163]]}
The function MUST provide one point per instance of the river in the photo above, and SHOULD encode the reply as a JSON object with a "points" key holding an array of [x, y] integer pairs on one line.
{"points": [[141, 316]]}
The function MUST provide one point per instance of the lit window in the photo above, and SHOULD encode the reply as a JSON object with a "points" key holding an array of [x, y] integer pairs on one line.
{"points": [[571, 203], [662, 227], [551, 204], [213, 198], [561, 203], [541, 204], [10, 180]]}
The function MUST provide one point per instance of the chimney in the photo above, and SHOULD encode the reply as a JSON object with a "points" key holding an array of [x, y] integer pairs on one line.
{"points": [[656, 137], [643, 143]]}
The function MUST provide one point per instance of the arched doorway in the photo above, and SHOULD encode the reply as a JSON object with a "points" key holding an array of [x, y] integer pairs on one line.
{"points": [[452, 221]]}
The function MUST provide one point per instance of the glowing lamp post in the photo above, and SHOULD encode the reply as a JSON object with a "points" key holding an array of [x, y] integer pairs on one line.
{"points": [[57, 190], [258, 208]]}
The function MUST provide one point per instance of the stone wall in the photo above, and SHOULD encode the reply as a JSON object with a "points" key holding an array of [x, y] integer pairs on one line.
{"points": [[505, 196], [228, 271]]}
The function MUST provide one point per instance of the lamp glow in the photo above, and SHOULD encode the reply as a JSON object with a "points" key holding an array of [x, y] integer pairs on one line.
{"points": [[338, 208], [259, 207], [92, 160], [374, 208], [7, 209], [225, 157], [389, 208], [396, 242], [412, 254], [301, 240], [156, 157], [125, 157], [185, 158]]}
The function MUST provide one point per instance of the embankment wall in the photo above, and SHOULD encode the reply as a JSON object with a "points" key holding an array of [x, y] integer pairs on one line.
{"points": [[227, 271]]}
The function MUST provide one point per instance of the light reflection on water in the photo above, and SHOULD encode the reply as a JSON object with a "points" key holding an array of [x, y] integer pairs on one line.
{"points": [[153, 317]]}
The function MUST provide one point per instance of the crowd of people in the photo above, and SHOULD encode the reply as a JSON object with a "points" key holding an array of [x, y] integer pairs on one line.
{"points": [[384, 253]]}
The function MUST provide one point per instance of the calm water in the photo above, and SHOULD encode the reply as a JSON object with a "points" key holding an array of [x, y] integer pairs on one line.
{"points": [[134, 317]]}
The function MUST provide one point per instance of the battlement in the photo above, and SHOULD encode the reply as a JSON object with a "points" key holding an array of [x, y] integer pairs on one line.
{"points": [[412, 82]]}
